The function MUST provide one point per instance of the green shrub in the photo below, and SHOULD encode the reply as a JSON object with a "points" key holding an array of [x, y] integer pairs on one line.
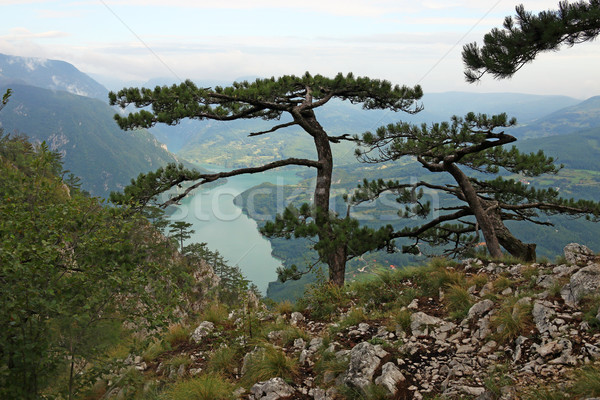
{"points": [[206, 387], [371, 392], [154, 350], [284, 308], [323, 300]]}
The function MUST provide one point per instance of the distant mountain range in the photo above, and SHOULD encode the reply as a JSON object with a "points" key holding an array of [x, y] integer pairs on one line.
{"points": [[48, 105], [49, 74]]}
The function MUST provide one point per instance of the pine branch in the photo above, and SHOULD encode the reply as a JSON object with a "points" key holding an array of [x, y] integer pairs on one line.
{"points": [[205, 178], [276, 127]]}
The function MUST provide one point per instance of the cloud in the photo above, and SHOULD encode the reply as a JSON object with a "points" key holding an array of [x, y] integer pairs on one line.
{"points": [[20, 33]]}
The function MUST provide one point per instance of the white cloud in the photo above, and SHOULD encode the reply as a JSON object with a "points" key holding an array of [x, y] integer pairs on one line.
{"points": [[20, 33]]}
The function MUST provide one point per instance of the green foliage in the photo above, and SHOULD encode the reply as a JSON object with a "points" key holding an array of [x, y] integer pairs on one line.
{"points": [[403, 319], [177, 335], [268, 364], [506, 50], [205, 387], [458, 301], [477, 144], [180, 231], [513, 319], [587, 383], [371, 392], [70, 268], [225, 360], [323, 299], [328, 363], [216, 313]]}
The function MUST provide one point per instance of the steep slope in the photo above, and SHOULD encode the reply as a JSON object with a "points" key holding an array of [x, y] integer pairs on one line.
{"points": [[49, 74], [567, 120], [82, 129]]}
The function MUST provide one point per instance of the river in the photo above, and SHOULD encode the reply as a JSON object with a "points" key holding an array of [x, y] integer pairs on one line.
{"points": [[221, 224]]}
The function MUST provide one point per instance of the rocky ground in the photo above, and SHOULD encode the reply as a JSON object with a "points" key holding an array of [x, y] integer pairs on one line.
{"points": [[523, 330]]}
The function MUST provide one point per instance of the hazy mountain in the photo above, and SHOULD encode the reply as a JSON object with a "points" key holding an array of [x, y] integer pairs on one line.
{"points": [[82, 129], [583, 115], [49, 74]]}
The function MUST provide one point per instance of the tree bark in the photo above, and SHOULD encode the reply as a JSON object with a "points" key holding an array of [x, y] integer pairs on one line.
{"points": [[483, 219], [335, 259], [515, 247]]}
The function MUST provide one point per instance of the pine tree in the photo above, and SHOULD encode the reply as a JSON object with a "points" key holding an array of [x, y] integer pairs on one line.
{"points": [[180, 231], [507, 50], [473, 144], [268, 99]]}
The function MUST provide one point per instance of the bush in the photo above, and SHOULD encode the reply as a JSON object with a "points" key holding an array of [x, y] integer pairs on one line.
{"points": [[205, 387], [323, 300]]}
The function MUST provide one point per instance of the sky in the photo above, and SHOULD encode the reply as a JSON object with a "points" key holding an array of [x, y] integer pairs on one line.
{"points": [[413, 42]]}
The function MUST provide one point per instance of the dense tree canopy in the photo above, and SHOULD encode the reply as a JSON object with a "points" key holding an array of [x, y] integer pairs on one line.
{"points": [[268, 99], [71, 272], [507, 50], [475, 143]]}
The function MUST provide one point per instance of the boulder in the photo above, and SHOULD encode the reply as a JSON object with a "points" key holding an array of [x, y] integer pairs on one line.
{"points": [[204, 329], [583, 282], [480, 308], [576, 253], [296, 317], [390, 377], [364, 361], [542, 314], [273, 389]]}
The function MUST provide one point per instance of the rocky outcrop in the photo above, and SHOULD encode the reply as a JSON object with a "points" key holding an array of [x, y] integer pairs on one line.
{"points": [[273, 389]]}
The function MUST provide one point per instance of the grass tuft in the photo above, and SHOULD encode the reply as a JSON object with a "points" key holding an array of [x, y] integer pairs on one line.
{"points": [[206, 387], [270, 364]]}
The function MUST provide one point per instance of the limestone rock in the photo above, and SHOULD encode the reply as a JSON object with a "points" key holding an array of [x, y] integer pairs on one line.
{"points": [[542, 314], [364, 361], [204, 329], [576, 253], [296, 317], [480, 308], [419, 323], [583, 282], [273, 389], [390, 377]]}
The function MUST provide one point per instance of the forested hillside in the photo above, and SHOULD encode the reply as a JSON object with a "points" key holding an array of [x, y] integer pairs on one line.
{"points": [[82, 130]]}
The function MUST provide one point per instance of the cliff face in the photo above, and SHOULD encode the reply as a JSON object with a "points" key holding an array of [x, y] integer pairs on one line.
{"points": [[471, 330]]}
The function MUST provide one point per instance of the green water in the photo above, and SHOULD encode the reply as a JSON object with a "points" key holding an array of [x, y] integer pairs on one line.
{"points": [[222, 225]]}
